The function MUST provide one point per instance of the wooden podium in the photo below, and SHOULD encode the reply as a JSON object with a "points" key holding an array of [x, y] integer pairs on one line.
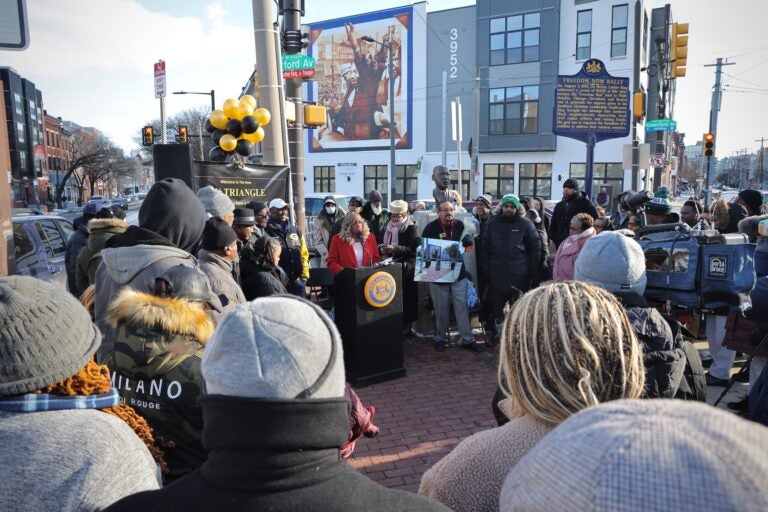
{"points": [[368, 307]]}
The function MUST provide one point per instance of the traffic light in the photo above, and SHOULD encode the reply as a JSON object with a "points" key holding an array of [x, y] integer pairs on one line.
{"points": [[147, 136], [183, 134], [638, 105], [709, 145], [678, 50]]}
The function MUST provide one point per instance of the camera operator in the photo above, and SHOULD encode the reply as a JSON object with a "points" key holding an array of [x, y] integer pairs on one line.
{"points": [[659, 209], [620, 219]]}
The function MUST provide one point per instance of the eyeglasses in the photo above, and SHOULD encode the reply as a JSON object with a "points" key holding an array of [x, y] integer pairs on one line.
{"points": [[446, 210]]}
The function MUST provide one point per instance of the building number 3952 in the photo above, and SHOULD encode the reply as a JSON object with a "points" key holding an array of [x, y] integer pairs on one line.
{"points": [[454, 48]]}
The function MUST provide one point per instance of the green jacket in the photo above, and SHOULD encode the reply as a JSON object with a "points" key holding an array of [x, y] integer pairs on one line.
{"points": [[156, 369], [88, 261]]}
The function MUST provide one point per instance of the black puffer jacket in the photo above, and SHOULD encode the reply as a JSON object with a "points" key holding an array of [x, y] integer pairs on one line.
{"points": [[564, 212], [510, 253]]}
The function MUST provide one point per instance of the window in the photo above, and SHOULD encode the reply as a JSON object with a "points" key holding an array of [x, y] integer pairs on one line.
{"points": [[325, 178], [375, 178], [20, 130], [67, 229], [583, 34], [513, 110], [406, 182], [619, 31], [454, 177], [498, 179], [32, 110], [17, 102], [535, 180], [24, 251], [53, 242], [515, 39], [603, 174]]}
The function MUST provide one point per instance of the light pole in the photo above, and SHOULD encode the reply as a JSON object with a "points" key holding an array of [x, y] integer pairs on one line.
{"points": [[390, 75], [211, 94]]}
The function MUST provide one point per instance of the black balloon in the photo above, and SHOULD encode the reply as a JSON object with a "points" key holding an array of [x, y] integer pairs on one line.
{"points": [[216, 136], [209, 127], [216, 154], [249, 124], [233, 128], [244, 147]]}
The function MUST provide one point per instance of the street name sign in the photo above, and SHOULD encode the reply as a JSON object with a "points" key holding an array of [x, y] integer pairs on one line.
{"points": [[661, 125], [299, 73], [298, 61]]}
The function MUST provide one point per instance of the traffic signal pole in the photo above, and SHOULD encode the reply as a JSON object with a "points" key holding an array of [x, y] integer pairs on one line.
{"points": [[714, 109]]}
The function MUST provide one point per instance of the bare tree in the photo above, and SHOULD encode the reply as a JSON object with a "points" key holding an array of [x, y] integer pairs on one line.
{"points": [[87, 151], [194, 119]]}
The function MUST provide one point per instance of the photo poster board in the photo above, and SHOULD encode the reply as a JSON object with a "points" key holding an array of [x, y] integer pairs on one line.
{"points": [[358, 108], [439, 261], [251, 183]]}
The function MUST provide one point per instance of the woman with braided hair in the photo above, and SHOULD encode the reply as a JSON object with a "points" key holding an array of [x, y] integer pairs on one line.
{"points": [[59, 450], [564, 347]]}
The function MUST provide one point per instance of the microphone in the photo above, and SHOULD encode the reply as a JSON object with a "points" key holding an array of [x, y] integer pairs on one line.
{"points": [[359, 236]]}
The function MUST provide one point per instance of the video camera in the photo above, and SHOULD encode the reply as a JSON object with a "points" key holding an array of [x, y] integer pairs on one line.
{"points": [[633, 203]]}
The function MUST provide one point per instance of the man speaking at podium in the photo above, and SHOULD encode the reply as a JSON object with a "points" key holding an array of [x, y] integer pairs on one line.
{"points": [[353, 247]]}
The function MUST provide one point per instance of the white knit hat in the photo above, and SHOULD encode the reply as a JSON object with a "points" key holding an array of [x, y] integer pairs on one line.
{"points": [[612, 261]]}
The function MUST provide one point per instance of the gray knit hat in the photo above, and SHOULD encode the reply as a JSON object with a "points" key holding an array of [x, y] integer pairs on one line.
{"points": [[613, 262], [215, 201], [644, 455], [275, 347], [46, 335]]}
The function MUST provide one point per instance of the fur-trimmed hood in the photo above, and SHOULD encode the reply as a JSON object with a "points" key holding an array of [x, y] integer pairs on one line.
{"points": [[749, 225], [118, 224], [160, 314]]}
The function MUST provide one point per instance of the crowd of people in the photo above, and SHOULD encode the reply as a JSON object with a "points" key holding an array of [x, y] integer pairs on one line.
{"points": [[193, 373]]}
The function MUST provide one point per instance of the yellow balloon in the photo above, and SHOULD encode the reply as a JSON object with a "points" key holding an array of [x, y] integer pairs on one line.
{"points": [[248, 99], [227, 142], [219, 119], [262, 115], [254, 137], [244, 110], [230, 108]]}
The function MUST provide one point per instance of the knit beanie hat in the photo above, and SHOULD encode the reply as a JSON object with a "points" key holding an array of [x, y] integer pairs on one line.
{"points": [[486, 199], [510, 198], [571, 183], [374, 196], [256, 206], [329, 199], [216, 202], [754, 200], [217, 234], [356, 199], [280, 347], [612, 261], [46, 335], [172, 210], [638, 455], [660, 204]]}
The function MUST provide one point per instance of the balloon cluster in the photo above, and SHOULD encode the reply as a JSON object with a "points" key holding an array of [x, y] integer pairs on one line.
{"points": [[236, 128]]}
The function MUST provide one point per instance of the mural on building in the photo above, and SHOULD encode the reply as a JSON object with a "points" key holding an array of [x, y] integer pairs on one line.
{"points": [[352, 80]]}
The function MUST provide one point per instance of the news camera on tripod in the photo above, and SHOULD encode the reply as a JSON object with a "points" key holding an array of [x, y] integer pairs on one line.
{"points": [[630, 214]]}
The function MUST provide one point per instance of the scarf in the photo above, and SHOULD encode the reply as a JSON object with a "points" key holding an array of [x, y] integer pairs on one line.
{"points": [[392, 233], [33, 402]]}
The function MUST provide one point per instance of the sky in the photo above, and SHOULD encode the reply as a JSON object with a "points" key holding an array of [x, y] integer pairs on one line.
{"points": [[93, 59]]}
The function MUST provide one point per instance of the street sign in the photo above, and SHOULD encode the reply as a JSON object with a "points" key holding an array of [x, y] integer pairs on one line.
{"points": [[661, 125], [299, 73], [297, 61], [160, 79], [657, 161], [14, 28]]}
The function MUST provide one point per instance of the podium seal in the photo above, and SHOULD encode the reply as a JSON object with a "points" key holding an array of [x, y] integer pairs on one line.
{"points": [[380, 289]]}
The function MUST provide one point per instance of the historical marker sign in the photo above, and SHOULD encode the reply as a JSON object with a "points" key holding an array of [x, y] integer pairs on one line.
{"points": [[592, 102]]}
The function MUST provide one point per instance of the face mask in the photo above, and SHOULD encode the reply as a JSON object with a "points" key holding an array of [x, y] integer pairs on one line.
{"points": [[330, 210], [376, 209]]}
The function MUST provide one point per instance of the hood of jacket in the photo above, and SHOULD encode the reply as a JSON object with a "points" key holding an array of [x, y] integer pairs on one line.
{"points": [[102, 230], [215, 259], [160, 331], [124, 263]]}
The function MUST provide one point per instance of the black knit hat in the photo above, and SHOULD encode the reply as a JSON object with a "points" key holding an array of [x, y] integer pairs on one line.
{"points": [[571, 183], [217, 234], [46, 335], [753, 199]]}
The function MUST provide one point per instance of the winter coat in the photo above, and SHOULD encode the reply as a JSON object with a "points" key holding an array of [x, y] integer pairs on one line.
{"points": [[261, 280], [71, 459], [135, 259], [75, 245], [276, 455], [564, 211], [156, 369], [470, 477], [566, 255], [510, 253], [376, 222], [101, 230], [342, 254], [321, 233], [220, 275], [294, 259], [408, 242], [545, 272]]}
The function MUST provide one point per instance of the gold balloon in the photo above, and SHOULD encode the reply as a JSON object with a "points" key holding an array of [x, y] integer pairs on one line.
{"points": [[243, 109], [256, 136], [219, 119], [228, 142], [230, 108], [249, 100], [262, 115]]}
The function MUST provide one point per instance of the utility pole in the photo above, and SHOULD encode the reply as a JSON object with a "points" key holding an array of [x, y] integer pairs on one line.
{"points": [[636, 83], [714, 109], [292, 11], [760, 164]]}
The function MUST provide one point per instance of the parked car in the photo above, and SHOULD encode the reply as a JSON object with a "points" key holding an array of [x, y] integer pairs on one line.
{"points": [[40, 243], [101, 202], [121, 202]]}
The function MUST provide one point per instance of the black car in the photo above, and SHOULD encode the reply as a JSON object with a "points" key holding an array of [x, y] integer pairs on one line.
{"points": [[121, 202]]}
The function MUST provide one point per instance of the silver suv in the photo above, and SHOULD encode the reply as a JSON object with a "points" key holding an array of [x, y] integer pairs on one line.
{"points": [[40, 243]]}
